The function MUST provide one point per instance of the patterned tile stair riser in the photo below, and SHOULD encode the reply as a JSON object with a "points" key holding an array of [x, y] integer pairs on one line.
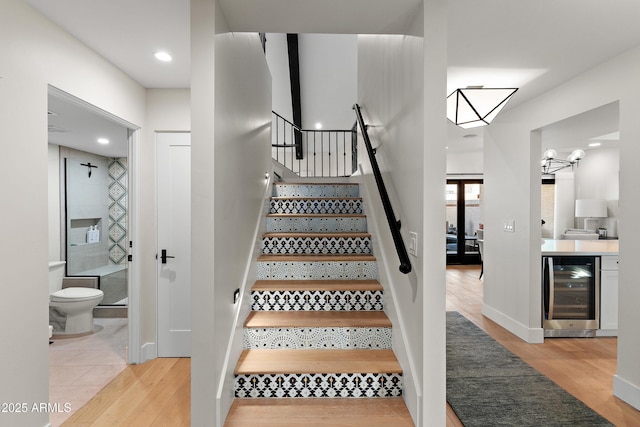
{"points": [[344, 275], [275, 338], [316, 224], [319, 385], [328, 270], [316, 245], [334, 206], [316, 191], [317, 300]]}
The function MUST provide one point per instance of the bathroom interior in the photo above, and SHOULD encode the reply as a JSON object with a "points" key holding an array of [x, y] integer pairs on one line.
{"points": [[88, 247]]}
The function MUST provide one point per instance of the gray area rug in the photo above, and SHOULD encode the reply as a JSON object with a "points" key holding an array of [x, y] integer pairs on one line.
{"points": [[487, 385]]}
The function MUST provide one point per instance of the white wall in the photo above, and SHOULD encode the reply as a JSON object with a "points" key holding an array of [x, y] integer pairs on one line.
{"points": [[598, 177], [328, 79], [278, 60], [382, 54], [54, 202], [37, 53], [230, 155], [166, 110], [465, 162], [391, 72], [564, 203], [512, 191]]}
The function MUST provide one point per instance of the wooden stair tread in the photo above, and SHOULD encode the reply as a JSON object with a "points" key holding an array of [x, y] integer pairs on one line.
{"points": [[317, 285], [288, 361], [316, 258], [279, 412], [316, 234], [317, 319]]}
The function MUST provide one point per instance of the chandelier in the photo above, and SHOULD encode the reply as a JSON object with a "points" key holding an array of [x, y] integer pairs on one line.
{"points": [[476, 105], [551, 164]]}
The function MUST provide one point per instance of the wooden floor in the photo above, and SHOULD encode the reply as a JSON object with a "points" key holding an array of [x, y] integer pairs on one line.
{"points": [[157, 393], [582, 366], [317, 319], [318, 412], [312, 361]]}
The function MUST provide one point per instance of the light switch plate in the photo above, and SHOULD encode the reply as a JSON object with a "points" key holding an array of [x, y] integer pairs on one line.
{"points": [[509, 226], [413, 243]]}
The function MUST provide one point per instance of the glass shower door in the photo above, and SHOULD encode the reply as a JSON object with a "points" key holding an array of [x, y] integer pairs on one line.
{"points": [[95, 212]]}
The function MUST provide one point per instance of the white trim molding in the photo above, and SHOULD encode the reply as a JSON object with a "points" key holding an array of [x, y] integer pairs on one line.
{"points": [[530, 335], [148, 351], [626, 391]]}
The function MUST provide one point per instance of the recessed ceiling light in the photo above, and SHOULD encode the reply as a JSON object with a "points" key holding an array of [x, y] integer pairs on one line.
{"points": [[163, 56], [103, 140], [318, 125], [595, 144]]}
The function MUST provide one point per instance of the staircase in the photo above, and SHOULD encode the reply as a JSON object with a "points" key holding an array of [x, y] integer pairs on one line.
{"points": [[317, 341]]}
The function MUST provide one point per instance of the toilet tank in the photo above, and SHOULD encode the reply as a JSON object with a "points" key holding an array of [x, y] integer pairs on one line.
{"points": [[56, 274], [81, 282]]}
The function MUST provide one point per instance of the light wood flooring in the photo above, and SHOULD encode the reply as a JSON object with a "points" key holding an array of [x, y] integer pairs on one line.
{"points": [[583, 366], [157, 393]]}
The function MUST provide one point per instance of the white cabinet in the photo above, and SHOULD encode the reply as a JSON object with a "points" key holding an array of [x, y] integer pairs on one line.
{"points": [[608, 295]]}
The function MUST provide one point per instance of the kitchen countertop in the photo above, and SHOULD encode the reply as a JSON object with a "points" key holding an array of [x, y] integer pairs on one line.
{"points": [[579, 247]]}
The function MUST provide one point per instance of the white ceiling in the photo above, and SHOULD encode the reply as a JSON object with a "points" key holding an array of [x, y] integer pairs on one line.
{"points": [[532, 45], [73, 124], [535, 46]]}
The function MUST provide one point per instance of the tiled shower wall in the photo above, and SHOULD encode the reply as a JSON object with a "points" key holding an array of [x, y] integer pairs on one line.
{"points": [[118, 246]]}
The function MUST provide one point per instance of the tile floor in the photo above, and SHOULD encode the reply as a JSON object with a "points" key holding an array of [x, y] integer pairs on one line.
{"points": [[80, 367]]}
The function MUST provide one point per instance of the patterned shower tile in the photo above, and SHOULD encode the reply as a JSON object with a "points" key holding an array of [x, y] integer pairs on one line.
{"points": [[118, 210]]}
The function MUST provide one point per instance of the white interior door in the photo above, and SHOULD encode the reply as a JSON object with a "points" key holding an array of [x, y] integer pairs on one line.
{"points": [[174, 244]]}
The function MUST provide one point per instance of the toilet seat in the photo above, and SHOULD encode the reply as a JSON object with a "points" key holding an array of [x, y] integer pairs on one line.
{"points": [[76, 294]]}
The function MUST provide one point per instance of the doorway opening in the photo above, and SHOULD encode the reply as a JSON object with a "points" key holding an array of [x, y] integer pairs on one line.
{"points": [[90, 205], [463, 213]]}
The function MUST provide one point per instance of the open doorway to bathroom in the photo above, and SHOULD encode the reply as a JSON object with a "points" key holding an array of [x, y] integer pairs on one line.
{"points": [[93, 187], [89, 229]]}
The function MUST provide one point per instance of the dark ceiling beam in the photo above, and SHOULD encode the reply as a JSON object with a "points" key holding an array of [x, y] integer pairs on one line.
{"points": [[294, 75]]}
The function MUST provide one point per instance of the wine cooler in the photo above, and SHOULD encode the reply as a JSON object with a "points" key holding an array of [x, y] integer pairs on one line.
{"points": [[571, 296]]}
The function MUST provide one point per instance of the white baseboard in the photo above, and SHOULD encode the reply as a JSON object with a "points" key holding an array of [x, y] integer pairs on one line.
{"points": [[148, 352], [530, 335], [624, 390]]}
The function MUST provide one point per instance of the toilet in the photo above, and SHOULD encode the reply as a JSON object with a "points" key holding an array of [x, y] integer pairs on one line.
{"points": [[71, 310]]}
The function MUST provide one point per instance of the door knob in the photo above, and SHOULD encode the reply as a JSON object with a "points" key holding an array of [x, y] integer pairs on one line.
{"points": [[164, 256]]}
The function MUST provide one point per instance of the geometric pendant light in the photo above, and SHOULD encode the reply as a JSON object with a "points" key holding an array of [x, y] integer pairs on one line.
{"points": [[476, 106]]}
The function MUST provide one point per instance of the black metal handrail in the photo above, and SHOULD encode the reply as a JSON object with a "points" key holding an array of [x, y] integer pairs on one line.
{"points": [[314, 153], [394, 225]]}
